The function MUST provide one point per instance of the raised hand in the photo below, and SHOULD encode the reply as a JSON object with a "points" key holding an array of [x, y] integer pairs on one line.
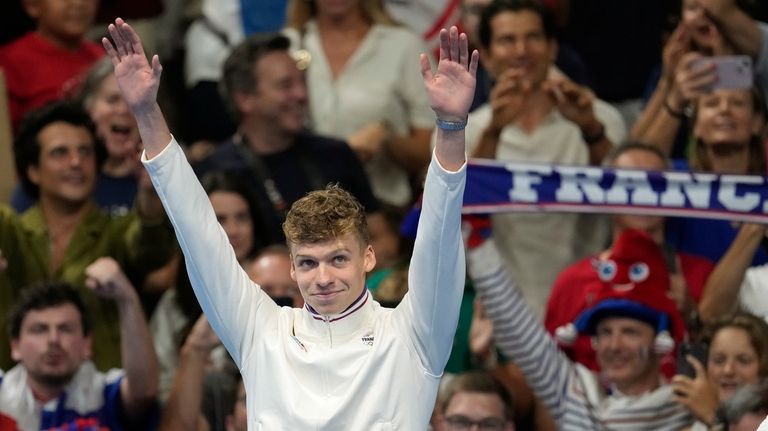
{"points": [[698, 394], [573, 101], [481, 333], [508, 98], [677, 45], [452, 87], [137, 79], [201, 337], [105, 277]]}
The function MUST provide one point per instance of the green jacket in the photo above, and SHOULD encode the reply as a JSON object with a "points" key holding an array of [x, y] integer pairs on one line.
{"points": [[139, 246]]}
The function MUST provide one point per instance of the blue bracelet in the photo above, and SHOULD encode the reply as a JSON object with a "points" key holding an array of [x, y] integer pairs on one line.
{"points": [[450, 126]]}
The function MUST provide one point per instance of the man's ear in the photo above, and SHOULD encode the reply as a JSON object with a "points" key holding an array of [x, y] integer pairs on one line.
{"points": [[553, 48], [33, 173], [293, 268], [15, 353], [32, 8], [370, 259], [244, 102], [88, 347]]}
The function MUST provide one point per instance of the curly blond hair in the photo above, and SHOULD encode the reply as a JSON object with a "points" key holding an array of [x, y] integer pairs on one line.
{"points": [[324, 215]]}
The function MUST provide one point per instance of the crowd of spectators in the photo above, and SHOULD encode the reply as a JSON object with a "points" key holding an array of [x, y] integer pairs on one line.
{"points": [[99, 325]]}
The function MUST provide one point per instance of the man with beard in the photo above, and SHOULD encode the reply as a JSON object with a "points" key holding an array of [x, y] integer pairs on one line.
{"points": [[55, 385]]}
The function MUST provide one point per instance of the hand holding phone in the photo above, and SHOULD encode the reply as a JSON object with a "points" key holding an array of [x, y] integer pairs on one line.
{"points": [[733, 72], [697, 350]]}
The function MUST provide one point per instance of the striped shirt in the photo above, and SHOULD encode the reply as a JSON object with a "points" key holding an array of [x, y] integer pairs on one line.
{"points": [[573, 394]]}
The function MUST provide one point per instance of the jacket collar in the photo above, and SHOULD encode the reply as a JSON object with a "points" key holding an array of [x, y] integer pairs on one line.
{"points": [[336, 327]]}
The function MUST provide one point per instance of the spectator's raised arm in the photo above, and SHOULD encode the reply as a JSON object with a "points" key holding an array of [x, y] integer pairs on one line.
{"points": [[140, 386]]}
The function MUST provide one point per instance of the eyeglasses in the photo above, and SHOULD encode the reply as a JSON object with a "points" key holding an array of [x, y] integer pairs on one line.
{"points": [[463, 423]]}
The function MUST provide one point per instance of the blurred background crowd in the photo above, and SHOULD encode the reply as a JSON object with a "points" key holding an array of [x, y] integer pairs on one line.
{"points": [[274, 99]]}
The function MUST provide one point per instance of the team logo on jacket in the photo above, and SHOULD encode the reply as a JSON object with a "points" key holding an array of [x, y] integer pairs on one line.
{"points": [[368, 339]]}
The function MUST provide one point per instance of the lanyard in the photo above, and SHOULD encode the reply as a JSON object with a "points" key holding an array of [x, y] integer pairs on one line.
{"points": [[262, 173]]}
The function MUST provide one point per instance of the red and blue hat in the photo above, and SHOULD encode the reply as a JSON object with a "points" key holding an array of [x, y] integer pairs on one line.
{"points": [[633, 281]]}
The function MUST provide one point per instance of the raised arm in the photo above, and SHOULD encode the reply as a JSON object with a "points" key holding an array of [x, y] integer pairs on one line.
{"points": [[737, 27], [429, 313], [226, 294], [138, 81], [139, 387], [450, 91], [721, 293]]}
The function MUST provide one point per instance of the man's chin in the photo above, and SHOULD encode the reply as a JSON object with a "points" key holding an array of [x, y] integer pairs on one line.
{"points": [[55, 379]]}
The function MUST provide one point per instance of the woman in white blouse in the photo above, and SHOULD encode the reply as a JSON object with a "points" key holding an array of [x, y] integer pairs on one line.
{"points": [[364, 87]]}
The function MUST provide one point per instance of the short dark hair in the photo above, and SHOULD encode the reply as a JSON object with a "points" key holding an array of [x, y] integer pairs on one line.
{"points": [[628, 146], [218, 181], [26, 147], [478, 381], [42, 295], [239, 72], [498, 6]]}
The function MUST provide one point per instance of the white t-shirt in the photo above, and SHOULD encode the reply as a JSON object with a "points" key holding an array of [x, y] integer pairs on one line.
{"points": [[536, 247]]}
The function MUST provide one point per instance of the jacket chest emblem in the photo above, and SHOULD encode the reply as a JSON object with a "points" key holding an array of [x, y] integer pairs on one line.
{"points": [[367, 339]]}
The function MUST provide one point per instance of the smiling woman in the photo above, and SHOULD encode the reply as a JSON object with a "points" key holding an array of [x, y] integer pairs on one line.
{"points": [[737, 356], [727, 127]]}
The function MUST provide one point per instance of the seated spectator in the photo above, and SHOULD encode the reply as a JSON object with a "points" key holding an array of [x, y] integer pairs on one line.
{"points": [[707, 28], [178, 309], [687, 273], [362, 89], [57, 157], [271, 270], [272, 153], [532, 117], [528, 411], [632, 321], [118, 178], [727, 127], [55, 385], [45, 64], [474, 399], [208, 41], [187, 403], [567, 61], [737, 356]]}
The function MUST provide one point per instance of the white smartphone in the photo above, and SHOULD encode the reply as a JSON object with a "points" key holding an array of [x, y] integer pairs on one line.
{"points": [[734, 72]]}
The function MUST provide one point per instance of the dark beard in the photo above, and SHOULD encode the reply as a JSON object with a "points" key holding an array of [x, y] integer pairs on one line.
{"points": [[53, 380]]}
